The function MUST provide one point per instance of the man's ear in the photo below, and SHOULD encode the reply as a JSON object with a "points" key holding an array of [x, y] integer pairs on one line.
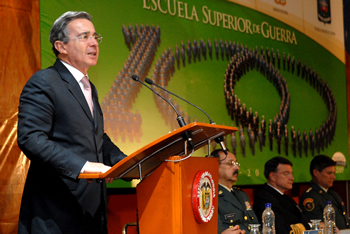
{"points": [[60, 47], [272, 176], [315, 172]]}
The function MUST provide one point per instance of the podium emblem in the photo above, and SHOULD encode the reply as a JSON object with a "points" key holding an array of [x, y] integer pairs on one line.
{"points": [[203, 194]]}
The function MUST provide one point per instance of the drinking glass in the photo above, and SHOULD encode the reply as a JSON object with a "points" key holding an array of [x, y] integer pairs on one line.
{"points": [[254, 228], [315, 224]]}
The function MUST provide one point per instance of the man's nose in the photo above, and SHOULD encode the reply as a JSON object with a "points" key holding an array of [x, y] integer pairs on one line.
{"points": [[93, 41]]}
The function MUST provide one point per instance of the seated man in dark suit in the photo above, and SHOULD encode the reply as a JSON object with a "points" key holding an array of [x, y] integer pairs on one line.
{"points": [[313, 201], [279, 174], [234, 204]]}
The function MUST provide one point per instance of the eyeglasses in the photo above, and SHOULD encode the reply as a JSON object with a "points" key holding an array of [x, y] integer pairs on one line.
{"points": [[232, 163], [287, 173], [86, 37]]}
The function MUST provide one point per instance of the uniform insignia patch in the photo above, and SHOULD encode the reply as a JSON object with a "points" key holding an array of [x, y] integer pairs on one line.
{"points": [[247, 205], [309, 204]]}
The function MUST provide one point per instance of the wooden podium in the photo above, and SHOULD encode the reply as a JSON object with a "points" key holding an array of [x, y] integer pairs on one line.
{"points": [[165, 195]]}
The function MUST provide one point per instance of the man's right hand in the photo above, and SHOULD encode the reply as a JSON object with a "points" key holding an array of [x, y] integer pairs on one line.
{"points": [[93, 167]]}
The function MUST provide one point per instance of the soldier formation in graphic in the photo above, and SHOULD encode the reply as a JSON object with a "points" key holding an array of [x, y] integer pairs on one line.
{"points": [[277, 130], [143, 41]]}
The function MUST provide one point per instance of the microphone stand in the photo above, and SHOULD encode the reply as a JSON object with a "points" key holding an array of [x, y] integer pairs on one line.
{"points": [[219, 139], [186, 136]]}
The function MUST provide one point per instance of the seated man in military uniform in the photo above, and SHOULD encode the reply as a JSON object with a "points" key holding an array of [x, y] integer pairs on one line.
{"points": [[234, 204], [313, 201]]}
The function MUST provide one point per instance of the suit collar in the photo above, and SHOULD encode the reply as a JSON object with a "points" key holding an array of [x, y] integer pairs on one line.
{"points": [[317, 187], [277, 190], [272, 190], [64, 72], [223, 186], [78, 75]]}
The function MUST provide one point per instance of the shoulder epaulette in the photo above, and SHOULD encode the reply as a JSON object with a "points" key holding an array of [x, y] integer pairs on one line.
{"points": [[309, 189]]}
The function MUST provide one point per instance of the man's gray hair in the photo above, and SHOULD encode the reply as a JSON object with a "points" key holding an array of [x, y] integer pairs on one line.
{"points": [[59, 30]]}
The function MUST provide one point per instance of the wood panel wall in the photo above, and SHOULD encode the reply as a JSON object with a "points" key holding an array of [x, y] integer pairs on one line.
{"points": [[19, 59]]}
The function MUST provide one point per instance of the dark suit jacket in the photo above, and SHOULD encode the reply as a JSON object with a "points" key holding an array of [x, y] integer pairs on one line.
{"points": [[286, 211], [57, 132], [314, 199], [234, 210]]}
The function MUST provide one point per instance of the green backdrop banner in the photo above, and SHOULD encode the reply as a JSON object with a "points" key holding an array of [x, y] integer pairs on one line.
{"points": [[213, 53]]}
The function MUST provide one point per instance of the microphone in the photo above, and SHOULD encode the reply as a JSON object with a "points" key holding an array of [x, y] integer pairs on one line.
{"points": [[219, 139], [186, 136]]}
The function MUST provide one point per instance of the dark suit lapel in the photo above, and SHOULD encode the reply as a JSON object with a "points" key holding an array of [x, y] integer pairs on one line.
{"points": [[73, 87], [284, 200], [96, 105], [293, 204]]}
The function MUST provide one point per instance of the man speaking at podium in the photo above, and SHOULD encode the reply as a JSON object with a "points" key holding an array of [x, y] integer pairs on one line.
{"points": [[60, 129], [234, 204]]}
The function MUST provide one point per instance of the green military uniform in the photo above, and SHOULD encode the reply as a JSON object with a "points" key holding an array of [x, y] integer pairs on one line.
{"points": [[235, 209], [314, 199]]}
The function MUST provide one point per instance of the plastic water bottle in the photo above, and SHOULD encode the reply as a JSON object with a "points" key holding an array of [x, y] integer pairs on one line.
{"points": [[329, 219], [268, 220]]}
